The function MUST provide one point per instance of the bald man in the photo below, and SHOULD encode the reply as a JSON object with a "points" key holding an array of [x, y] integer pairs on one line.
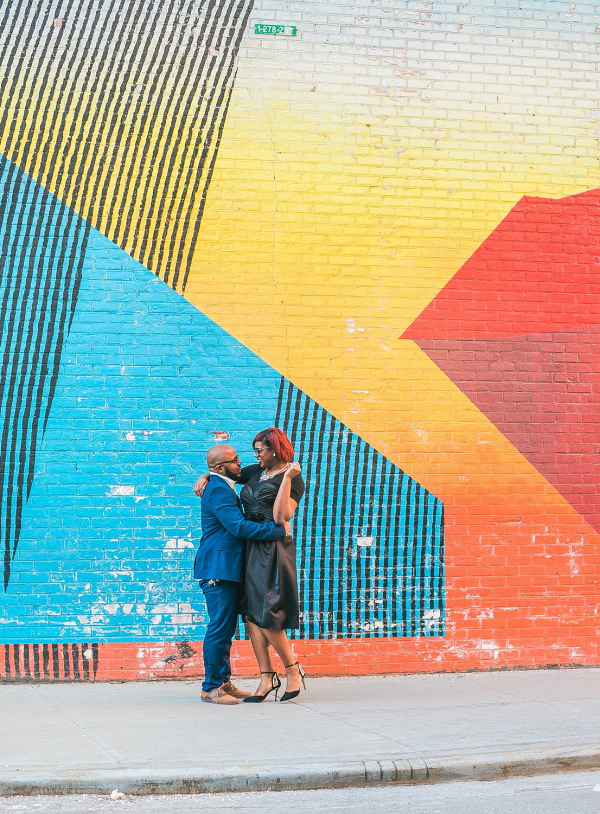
{"points": [[219, 566]]}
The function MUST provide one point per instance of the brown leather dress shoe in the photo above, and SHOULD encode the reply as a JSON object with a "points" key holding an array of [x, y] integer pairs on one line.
{"points": [[234, 692], [219, 696]]}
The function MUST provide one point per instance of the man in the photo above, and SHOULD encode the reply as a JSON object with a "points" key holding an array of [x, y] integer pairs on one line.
{"points": [[219, 566]]}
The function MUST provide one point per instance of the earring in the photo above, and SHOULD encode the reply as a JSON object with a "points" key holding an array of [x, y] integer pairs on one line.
{"points": [[274, 455]]}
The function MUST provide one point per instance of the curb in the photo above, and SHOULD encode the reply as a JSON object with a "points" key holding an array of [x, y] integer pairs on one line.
{"points": [[491, 766]]}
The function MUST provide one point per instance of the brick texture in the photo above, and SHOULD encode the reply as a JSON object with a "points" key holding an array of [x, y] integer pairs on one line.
{"points": [[390, 219]]}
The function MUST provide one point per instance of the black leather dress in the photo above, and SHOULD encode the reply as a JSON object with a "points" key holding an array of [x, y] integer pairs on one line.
{"points": [[271, 585]]}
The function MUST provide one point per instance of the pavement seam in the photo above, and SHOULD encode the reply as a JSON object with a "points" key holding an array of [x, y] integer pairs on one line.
{"points": [[356, 727], [83, 730]]}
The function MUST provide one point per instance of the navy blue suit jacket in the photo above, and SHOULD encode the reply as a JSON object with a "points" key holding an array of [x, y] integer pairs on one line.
{"points": [[224, 529]]}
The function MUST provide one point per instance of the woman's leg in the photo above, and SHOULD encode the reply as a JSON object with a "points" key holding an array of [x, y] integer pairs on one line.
{"points": [[281, 644], [262, 651]]}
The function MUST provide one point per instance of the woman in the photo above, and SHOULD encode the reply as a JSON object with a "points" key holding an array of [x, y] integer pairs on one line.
{"points": [[273, 488]]}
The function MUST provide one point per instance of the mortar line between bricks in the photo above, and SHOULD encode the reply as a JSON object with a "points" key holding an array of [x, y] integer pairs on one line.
{"points": [[91, 736]]}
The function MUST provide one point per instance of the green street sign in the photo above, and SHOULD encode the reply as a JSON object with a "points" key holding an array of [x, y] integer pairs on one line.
{"points": [[271, 28]]}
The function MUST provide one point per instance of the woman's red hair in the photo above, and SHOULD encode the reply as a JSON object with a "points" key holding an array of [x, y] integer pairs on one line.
{"points": [[278, 441]]}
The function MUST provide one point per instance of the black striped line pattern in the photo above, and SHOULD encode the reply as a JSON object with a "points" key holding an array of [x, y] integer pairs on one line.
{"points": [[370, 539], [118, 106], [42, 249], [55, 662]]}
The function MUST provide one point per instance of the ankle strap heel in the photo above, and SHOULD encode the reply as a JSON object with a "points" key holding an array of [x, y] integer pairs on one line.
{"points": [[275, 685], [287, 696]]}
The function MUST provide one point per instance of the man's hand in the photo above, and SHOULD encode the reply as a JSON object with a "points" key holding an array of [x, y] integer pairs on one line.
{"points": [[200, 485]]}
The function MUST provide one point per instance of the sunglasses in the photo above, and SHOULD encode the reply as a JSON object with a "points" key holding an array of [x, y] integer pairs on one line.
{"points": [[235, 460]]}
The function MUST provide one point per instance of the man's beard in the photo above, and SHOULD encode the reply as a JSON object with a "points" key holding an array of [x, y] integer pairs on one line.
{"points": [[230, 474]]}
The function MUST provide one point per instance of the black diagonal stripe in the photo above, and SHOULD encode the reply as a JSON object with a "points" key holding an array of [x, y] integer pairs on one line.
{"points": [[189, 160], [325, 463], [85, 116], [165, 166], [354, 447], [308, 507], [358, 516], [112, 71], [55, 663], [36, 661], [400, 542], [46, 660], [45, 333], [217, 144], [383, 532], [337, 543], [50, 362], [66, 662], [391, 546], [178, 110], [286, 420], [95, 659], [75, 658], [45, 117], [16, 660], [365, 561], [16, 62], [146, 151], [113, 131], [411, 519], [32, 78], [85, 662], [425, 572], [279, 402], [7, 668], [441, 560], [343, 560]]}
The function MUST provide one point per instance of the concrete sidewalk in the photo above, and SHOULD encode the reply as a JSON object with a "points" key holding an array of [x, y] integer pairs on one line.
{"points": [[157, 737]]}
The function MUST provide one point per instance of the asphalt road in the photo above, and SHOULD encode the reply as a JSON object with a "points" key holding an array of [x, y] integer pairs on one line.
{"points": [[577, 793]]}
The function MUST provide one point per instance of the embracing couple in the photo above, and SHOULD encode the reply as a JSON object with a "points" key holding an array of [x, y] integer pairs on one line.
{"points": [[246, 563]]}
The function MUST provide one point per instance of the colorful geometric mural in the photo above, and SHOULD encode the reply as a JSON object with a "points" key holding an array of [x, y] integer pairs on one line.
{"points": [[380, 233]]}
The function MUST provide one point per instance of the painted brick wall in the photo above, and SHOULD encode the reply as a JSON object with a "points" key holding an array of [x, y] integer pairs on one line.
{"points": [[382, 234]]}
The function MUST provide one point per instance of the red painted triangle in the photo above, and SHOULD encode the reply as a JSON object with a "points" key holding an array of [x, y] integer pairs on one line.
{"points": [[538, 271]]}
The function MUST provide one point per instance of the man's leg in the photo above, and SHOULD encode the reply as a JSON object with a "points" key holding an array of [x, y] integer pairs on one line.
{"points": [[222, 607]]}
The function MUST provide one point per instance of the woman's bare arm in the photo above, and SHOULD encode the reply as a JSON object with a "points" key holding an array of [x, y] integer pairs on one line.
{"points": [[285, 506], [200, 484]]}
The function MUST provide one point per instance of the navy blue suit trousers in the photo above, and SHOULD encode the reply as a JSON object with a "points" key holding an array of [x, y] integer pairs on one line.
{"points": [[222, 604]]}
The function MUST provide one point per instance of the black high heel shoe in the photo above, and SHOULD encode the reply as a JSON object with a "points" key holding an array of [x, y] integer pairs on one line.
{"points": [[287, 696], [275, 685]]}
